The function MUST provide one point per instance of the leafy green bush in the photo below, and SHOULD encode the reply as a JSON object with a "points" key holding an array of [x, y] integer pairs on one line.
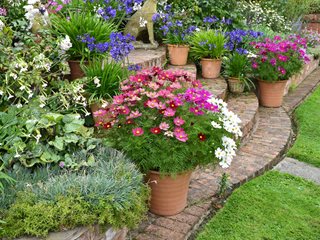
{"points": [[31, 135], [109, 192]]}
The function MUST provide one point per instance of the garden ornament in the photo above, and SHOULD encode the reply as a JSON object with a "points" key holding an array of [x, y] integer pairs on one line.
{"points": [[141, 21]]}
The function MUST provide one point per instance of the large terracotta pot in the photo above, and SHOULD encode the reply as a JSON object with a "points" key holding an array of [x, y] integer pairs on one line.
{"points": [[178, 54], [75, 69], [235, 85], [168, 194], [210, 67], [271, 93]]}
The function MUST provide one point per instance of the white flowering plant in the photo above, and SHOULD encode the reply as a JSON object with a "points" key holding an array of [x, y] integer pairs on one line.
{"points": [[26, 71], [165, 121], [255, 13]]}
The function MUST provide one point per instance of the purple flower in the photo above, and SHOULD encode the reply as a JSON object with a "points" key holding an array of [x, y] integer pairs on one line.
{"points": [[62, 164], [273, 61]]}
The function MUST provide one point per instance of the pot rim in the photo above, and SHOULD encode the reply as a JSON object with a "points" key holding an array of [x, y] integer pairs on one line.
{"points": [[169, 175], [279, 81], [178, 45], [211, 59]]}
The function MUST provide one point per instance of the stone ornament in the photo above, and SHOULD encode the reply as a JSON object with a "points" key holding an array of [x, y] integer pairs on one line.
{"points": [[141, 21]]}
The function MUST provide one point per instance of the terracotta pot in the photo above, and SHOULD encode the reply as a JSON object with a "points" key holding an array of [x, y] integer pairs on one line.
{"points": [[210, 67], [178, 54], [271, 93], [235, 85], [168, 194], [75, 69]]}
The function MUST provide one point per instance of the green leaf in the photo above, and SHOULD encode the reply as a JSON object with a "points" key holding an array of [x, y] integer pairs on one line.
{"points": [[54, 117], [58, 143]]}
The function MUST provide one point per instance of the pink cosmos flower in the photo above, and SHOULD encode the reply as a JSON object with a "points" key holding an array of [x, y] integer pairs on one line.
{"points": [[164, 126], [134, 114], [176, 85], [182, 137], [152, 104], [197, 84], [152, 94], [178, 130], [118, 99], [169, 112], [153, 86], [178, 121], [254, 65], [124, 110], [137, 132], [211, 107], [100, 113]]}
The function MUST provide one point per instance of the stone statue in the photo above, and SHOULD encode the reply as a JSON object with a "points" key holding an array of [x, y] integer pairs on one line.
{"points": [[141, 21]]}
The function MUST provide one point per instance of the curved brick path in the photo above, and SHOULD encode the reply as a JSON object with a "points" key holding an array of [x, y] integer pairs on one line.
{"points": [[268, 132]]}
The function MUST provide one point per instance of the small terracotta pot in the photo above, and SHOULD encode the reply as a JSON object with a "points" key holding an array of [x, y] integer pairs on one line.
{"points": [[168, 194], [178, 54], [210, 68], [235, 85], [75, 69], [271, 93]]}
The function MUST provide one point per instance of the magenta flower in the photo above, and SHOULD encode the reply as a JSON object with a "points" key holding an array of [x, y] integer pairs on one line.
{"points": [[283, 58], [164, 126], [196, 111], [152, 104], [178, 121], [273, 61], [211, 107], [169, 112], [282, 70], [255, 65], [137, 132]]}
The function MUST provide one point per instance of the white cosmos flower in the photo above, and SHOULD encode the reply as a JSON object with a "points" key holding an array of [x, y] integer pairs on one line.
{"points": [[215, 125]]}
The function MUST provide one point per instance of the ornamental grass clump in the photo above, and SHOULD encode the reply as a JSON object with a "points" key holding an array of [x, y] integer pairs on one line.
{"points": [[167, 122], [278, 59], [208, 44]]}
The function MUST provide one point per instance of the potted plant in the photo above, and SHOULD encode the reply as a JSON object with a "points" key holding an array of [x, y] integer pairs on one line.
{"points": [[275, 62], [102, 82], [75, 26], [168, 125], [208, 46], [176, 34], [236, 70]]}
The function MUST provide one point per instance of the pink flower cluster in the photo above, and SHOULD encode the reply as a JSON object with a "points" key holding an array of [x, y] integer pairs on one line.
{"points": [[158, 97], [278, 52]]}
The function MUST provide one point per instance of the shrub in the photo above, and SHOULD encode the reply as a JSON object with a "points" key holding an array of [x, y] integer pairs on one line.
{"points": [[109, 192]]}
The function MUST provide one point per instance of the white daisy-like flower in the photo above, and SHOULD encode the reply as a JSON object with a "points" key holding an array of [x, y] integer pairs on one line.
{"points": [[168, 134], [215, 125], [65, 44]]}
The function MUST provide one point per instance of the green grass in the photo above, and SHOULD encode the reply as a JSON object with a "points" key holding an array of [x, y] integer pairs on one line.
{"points": [[307, 146], [273, 206]]}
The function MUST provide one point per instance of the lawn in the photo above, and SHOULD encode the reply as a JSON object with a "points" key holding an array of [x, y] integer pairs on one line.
{"points": [[273, 206], [307, 146]]}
